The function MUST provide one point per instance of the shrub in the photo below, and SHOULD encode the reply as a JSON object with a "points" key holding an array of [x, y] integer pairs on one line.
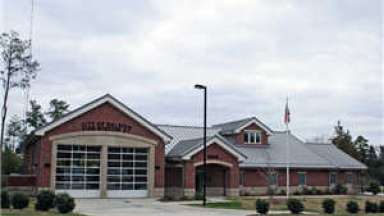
{"points": [[352, 207], [297, 193], [64, 203], [262, 206], [283, 192], [374, 188], [4, 199], [340, 189], [329, 206], [271, 191], [295, 206], [306, 191], [327, 192], [45, 200], [371, 207], [381, 206], [314, 190], [20, 201]]}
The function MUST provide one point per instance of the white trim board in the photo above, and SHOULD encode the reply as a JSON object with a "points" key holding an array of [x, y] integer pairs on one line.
{"points": [[218, 142], [258, 123], [96, 103]]}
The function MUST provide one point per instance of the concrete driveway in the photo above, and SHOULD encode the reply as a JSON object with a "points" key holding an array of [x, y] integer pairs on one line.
{"points": [[147, 207]]}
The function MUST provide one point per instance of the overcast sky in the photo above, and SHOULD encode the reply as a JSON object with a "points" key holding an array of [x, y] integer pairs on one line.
{"points": [[325, 55]]}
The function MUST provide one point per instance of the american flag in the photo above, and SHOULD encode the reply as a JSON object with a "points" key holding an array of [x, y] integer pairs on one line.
{"points": [[287, 114]]}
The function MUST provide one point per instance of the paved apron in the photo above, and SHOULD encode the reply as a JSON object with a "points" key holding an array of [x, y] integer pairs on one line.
{"points": [[148, 207]]}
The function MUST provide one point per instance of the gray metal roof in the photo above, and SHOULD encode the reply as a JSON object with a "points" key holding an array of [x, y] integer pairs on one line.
{"points": [[274, 155], [180, 133], [302, 155], [186, 146], [230, 127], [335, 156]]}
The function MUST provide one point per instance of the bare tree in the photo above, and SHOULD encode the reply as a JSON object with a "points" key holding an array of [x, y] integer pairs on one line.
{"points": [[17, 70], [267, 172]]}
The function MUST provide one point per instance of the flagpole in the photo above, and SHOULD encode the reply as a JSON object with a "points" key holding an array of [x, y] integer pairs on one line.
{"points": [[286, 121], [287, 158]]}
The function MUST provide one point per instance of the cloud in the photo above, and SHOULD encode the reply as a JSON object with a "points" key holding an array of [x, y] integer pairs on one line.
{"points": [[326, 55]]}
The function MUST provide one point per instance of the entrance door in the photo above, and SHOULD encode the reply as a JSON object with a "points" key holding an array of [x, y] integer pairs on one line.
{"points": [[199, 182], [78, 170], [127, 172]]}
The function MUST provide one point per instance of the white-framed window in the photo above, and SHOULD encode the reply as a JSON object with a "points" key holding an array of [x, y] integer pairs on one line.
{"points": [[252, 137], [349, 178], [332, 178], [302, 178], [272, 178]]}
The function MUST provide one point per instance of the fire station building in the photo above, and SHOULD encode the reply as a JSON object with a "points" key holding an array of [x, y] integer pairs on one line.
{"points": [[105, 149]]}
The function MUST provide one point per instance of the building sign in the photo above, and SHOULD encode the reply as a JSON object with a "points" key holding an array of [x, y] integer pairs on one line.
{"points": [[210, 156], [105, 126]]}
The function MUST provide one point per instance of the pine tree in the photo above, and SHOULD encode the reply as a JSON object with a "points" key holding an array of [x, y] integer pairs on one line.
{"points": [[57, 108], [372, 156], [35, 117], [15, 132], [381, 155], [17, 69], [343, 140], [362, 147]]}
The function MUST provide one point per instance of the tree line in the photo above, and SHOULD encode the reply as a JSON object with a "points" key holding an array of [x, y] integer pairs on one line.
{"points": [[360, 149], [18, 129]]}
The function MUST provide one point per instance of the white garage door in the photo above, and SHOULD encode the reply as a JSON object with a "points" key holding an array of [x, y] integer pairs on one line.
{"points": [[78, 170], [127, 172]]}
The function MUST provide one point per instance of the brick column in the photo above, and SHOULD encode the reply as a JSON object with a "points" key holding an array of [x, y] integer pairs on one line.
{"points": [[189, 179], [233, 184], [103, 171]]}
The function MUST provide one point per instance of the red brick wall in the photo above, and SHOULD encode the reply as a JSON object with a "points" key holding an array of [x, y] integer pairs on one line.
{"points": [[239, 137], [22, 180], [257, 178], [173, 177], [107, 113], [189, 175]]}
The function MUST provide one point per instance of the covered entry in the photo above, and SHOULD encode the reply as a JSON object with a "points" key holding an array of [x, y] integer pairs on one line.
{"points": [[217, 180]]}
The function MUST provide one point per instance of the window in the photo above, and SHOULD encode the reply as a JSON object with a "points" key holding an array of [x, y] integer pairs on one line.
{"points": [[241, 180], [332, 178], [349, 178], [272, 178], [302, 178], [252, 137]]}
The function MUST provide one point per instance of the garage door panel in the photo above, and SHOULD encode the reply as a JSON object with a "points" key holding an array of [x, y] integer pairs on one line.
{"points": [[78, 170], [127, 172]]}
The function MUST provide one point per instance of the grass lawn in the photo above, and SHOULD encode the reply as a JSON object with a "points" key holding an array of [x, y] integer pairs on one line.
{"points": [[312, 204], [30, 211]]}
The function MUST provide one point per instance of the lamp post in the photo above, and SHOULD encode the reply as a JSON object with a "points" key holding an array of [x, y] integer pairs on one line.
{"points": [[202, 87]]}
